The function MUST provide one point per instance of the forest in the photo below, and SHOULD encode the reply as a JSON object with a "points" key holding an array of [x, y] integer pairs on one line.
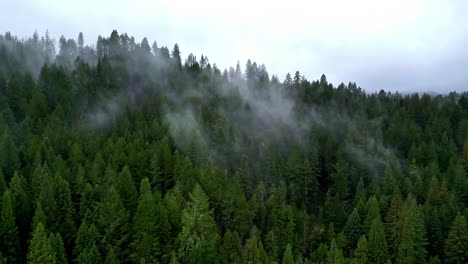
{"points": [[124, 152]]}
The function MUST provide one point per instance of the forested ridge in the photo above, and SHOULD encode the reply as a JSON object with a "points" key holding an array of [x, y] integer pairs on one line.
{"points": [[123, 152]]}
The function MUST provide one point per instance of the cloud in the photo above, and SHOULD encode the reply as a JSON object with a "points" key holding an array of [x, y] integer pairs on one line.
{"points": [[401, 45]]}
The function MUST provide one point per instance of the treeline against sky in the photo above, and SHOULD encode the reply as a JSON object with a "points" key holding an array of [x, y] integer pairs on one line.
{"points": [[126, 153]]}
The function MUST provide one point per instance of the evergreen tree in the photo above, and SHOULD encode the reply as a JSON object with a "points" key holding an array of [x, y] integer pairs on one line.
{"points": [[412, 247], [360, 254], [9, 160], [335, 255], [288, 256], [373, 212], [127, 189], [456, 245], [377, 252], [40, 251], [199, 235], [352, 229], [146, 245], [57, 245], [62, 220], [393, 224], [9, 237], [232, 247]]}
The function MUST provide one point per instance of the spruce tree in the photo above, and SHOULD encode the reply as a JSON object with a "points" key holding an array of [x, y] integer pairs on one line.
{"points": [[9, 237], [287, 255], [352, 229], [456, 245], [57, 245], [360, 254], [199, 236], [40, 251], [378, 252]]}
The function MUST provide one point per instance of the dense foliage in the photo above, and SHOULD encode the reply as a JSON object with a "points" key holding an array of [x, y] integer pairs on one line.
{"points": [[123, 153]]}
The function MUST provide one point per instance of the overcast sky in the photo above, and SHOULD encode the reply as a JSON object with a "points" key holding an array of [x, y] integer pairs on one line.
{"points": [[404, 45]]}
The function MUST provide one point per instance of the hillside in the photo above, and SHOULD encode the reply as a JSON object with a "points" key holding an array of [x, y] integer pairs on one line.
{"points": [[126, 153]]}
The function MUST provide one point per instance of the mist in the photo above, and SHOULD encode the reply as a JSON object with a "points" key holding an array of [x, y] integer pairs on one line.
{"points": [[378, 45]]}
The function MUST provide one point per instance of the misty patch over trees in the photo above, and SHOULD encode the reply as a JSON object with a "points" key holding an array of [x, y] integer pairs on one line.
{"points": [[125, 152]]}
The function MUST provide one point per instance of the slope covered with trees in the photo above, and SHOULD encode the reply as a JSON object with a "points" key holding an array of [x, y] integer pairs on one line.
{"points": [[127, 153]]}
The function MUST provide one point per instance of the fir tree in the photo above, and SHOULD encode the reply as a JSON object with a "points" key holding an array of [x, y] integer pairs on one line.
{"points": [[456, 245], [9, 237], [377, 252], [40, 251]]}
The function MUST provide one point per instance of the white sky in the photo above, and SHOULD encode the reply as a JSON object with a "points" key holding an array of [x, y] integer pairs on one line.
{"points": [[404, 45]]}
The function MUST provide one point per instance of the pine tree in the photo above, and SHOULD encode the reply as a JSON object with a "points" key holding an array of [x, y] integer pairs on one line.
{"points": [[63, 218], [456, 245], [412, 248], [111, 257], [199, 235], [174, 259], [393, 224], [262, 255], [89, 256], [40, 251], [113, 219], [360, 254], [377, 252], [57, 245], [9, 160], [127, 189], [3, 185], [352, 229], [373, 212], [9, 237], [288, 256], [176, 56], [232, 249], [252, 255], [86, 239], [335, 255], [145, 245], [435, 234]]}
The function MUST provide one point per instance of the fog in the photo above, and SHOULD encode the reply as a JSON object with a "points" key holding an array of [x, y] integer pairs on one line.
{"points": [[395, 45]]}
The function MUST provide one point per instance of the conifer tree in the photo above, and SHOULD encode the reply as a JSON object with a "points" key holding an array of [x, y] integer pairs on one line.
{"points": [[199, 235], [456, 245], [377, 252], [412, 247], [127, 189], [288, 256], [373, 212], [57, 245], [40, 251], [352, 229], [232, 249], [9, 237], [360, 254], [146, 244]]}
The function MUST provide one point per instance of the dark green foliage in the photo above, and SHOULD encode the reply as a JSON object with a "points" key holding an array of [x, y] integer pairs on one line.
{"points": [[150, 226], [377, 249], [199, 235], [40, 250], [233, 166], [353, 228], [231, 248], [456, 245], [9, 159], [360, 254], [9, 237], [412, 247], [288, 256], [57, 245]]}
